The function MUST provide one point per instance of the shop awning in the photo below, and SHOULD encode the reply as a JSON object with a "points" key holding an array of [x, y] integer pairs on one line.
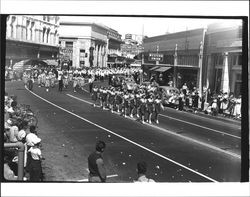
{"points": [[21, 65], [162, 69], [155, 67], [51, 62]]}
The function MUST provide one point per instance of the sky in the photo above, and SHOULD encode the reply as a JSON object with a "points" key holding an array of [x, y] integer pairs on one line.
{"points": [[147, 26]]}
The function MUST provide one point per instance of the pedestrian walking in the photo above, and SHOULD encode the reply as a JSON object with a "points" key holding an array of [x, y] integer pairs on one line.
{"points": [[60, 80], [91, 81], [141, 170], [97, 171], [30, 83]]}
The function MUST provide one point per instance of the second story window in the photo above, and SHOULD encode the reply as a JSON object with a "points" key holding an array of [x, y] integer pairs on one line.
{"points": [[27, 30], [237, 60]]}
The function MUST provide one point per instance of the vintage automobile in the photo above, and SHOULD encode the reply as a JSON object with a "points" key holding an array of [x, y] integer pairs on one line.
{"points": [[123, 82], [170, 96]]}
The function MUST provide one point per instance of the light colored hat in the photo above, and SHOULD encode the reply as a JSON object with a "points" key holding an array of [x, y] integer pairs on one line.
{"points": [[6, 125], [36, 140], [9, 121], [21, 134]]}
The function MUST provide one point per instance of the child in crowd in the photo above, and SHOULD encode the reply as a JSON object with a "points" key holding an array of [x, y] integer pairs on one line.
{"points": [[35, 169]]}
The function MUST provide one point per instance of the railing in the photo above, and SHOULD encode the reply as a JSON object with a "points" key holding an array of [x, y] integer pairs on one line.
{"points": [[21, 148]]}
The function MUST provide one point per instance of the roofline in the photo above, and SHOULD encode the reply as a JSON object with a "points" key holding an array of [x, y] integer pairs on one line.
{"points": [[83, 24], [148, 39]]}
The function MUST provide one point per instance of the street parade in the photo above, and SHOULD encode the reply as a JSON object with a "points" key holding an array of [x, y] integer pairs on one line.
{"points": [[94, 108]]}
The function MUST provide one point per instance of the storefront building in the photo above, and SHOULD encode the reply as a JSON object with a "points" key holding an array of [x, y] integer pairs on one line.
{"points": [[31, 38], [132, 45], [176, 57], [224, 58], [87, 44], [208, 58]]}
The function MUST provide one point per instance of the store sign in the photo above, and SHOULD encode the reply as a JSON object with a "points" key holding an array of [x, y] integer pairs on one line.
{"points": [[155, 57], [66, 53]]}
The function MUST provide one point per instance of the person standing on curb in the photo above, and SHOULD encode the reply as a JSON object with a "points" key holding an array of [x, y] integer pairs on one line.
{"points": [[97, 171]]}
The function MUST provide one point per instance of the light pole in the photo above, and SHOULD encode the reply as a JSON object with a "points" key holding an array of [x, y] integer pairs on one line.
{"points": [[200, 69], [157, 50], [175, 67]]}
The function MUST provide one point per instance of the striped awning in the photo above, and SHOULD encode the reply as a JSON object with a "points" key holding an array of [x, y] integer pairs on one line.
{"points": [[162, 69], [154, 68], [51, 62], [22, 65]]}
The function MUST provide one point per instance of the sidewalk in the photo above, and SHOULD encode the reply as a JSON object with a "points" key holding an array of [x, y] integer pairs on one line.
{"points": [[218, 117]]}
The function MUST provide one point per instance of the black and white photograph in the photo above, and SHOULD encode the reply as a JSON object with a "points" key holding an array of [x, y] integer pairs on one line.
{"points": [[90, 98]]}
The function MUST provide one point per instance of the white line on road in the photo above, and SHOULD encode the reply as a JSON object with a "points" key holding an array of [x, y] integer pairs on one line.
{"points": [[207, 128], [176, 134], [109, 176], [79, 99], [90, 122], [223, 133]]}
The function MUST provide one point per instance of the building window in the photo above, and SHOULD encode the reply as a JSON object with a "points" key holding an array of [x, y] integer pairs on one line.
{"points": [[31, 31], [240, 60], [44, 32], [218, 78], [237, 60], [82, 56], [27, 30], [218, 59], [11, 30], [238, 77], [238, 85], [188, 60], [69, 44], [13, 19], [55, 38], [47, 36]]}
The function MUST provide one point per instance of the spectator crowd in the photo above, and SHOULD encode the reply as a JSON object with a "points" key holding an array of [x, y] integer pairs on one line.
{"points": [[19, 128]]}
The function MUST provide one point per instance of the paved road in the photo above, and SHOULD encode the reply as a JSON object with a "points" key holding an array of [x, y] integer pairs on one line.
{"points": [[183, 148]]}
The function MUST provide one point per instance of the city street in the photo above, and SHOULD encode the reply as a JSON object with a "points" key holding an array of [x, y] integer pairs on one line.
{"points": [[184, 147]]}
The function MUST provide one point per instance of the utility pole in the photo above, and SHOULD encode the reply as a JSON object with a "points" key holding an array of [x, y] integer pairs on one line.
{"points": [[175, 67], [157, 50]]}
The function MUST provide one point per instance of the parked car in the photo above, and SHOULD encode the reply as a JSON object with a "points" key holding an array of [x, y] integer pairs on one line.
{"points": [[136, 63], [130, 83], [170, 96]]}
